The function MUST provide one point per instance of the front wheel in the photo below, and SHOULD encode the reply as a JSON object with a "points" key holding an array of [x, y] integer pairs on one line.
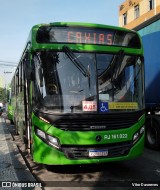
{"points": [[152, 137]]}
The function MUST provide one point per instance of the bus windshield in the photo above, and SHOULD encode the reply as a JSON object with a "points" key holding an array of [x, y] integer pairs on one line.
{"points": [[76, 82]]}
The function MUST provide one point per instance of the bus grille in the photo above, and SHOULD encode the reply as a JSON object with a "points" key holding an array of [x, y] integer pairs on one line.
{"points": [[107, 122], [114, 150]]}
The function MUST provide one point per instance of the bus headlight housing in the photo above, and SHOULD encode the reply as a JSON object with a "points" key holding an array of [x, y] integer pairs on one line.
{"points": [[142, 129], [53, 141], [41, 134], [138, 134]]}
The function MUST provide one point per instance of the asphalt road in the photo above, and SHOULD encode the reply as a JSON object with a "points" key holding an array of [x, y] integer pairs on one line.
{"points": [[142, 173]]}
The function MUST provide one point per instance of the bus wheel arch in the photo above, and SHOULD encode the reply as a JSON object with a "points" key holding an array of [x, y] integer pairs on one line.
{"points": [[152, 136]]}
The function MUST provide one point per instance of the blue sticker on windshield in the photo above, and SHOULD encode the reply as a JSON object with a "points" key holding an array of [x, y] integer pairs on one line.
{"points": [[103, 107]]}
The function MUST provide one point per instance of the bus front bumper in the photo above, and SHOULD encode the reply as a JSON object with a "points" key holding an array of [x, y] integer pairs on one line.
{"points": [[43, 153]]}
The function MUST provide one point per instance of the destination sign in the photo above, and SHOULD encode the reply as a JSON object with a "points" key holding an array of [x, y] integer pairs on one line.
{"points": [[86, 35], [90, 37], [75, 35]]}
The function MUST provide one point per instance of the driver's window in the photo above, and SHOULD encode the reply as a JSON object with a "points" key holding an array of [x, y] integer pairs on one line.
{"points": [[39, 75]]}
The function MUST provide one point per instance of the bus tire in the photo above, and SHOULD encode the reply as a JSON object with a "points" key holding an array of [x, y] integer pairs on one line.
{"points": [[152, 134]]}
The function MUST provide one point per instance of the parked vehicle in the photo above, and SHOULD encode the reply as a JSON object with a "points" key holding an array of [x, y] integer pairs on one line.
{"points": [[150, 33]]}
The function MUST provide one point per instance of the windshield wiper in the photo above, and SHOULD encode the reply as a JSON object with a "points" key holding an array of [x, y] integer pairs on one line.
{"points": [[76, 61], [118, 65]]}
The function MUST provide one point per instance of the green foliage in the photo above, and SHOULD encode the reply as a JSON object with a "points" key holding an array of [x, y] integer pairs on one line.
{"points": [[3, 96]]}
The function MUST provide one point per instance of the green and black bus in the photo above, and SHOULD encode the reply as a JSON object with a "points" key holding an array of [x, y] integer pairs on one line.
{"points": [[78, 94]]}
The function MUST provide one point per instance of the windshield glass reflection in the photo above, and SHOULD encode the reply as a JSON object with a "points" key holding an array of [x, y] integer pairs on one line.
{"points": [[73, 82]]}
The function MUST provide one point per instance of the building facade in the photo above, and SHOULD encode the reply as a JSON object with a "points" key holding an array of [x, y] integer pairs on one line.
{"points": [[133, 13]]}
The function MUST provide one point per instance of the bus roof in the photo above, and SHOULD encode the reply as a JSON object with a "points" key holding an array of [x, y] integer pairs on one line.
{"points": [[82, 24]]}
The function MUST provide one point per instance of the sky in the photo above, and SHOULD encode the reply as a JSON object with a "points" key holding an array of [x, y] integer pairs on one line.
{"points": [[18, 16]]}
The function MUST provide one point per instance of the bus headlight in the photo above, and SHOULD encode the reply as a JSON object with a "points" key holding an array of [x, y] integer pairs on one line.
{"points": [[48, 139], [53, 141], [142, 130], [138, 134], [41, 134]]}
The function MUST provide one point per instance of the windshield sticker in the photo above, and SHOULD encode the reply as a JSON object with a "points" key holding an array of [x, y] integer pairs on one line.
{"points": [[103, 107], [104, 97], [89, 105], [123, 105]]}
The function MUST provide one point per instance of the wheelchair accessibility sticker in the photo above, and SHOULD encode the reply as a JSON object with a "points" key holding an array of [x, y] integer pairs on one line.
{"points": [[103, 107]]}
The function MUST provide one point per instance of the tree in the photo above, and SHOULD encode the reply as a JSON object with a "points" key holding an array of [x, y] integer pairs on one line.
{"points": [[3, 96]]}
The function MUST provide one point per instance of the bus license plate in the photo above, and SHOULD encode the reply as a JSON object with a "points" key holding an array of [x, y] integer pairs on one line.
{"points": [[98, 153]]}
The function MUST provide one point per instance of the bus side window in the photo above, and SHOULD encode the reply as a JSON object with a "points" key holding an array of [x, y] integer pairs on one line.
{"points": [[21, 77], [13, 88], [17, 81]]}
